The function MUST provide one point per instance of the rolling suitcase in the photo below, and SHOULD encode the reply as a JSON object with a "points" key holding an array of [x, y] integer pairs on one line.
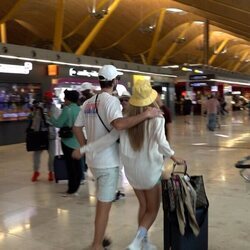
{"points": [[60, 169], [171, 196], [175, 241]]}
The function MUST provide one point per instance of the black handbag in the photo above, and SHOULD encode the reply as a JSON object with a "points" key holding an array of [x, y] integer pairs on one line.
{"points": [[197, 183], [37, 140], [65, 132], [169, 195]]}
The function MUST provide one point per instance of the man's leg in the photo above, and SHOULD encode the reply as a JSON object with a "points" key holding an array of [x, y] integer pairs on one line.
{"points": [[106, 180], [210, 122], [101, 221]]}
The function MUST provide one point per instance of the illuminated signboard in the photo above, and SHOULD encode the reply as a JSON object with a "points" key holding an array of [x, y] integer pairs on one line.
{"points": [[214, 88], [52, 70], [201, 83], [198, 84], [75, 72], [16, 69], [201, 77]]}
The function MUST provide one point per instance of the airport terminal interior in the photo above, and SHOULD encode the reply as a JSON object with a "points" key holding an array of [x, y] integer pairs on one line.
{"points": [[36, 216], [189, 48]]}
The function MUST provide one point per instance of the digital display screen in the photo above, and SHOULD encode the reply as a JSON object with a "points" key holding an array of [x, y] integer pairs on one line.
{"points": [[214, 88], [16, 100], [197, 84]]}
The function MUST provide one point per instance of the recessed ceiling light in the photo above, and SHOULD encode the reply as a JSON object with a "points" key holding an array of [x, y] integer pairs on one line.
{"points": [[219, 33], [171, 66], [199, 144], [186, 69], [198, 22], [233, 82], [198, 71]]}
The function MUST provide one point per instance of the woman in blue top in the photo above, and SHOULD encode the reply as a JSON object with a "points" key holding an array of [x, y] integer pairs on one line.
{"points": [[67, 119]]}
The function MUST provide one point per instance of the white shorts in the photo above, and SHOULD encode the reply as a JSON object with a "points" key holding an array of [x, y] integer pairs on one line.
{"points": [[106, 183]]}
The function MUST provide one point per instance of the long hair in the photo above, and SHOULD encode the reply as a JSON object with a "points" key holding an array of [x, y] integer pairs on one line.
{"points": [[137, 133]]}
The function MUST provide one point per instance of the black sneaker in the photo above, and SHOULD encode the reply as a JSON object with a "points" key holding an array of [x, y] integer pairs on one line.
{"points": [[106, 242], [119, 195]]}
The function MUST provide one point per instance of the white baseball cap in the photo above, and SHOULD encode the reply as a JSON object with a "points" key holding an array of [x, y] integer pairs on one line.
{"points": [[125, 94], [109, 72], [86, 86]]}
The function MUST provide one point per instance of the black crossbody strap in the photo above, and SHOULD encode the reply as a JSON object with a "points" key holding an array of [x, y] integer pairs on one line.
{"points": [[99, 115]]}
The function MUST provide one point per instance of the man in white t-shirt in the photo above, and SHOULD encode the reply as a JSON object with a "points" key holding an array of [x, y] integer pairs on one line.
{"points": [[100, 114]]}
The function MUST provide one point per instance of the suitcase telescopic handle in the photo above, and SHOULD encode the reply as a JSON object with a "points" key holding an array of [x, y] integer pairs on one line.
{"points": [[180, 172]]}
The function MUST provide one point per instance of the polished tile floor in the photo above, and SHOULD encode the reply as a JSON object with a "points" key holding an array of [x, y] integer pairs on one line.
{"points": [[34, 216]]}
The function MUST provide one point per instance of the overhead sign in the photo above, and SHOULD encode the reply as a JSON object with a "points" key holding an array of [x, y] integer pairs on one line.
{"points": [[52, 70], [198, 84], [201, 83], [75, 72], [16, 69], [201, 77]]}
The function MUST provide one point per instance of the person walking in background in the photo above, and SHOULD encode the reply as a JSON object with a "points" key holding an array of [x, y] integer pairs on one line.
{"points": [[66, 119], [86, 90], [124, 100], [223, 105], [166, 112], [187, 108], [50, 108], [212, 107], [142, 148], [100, 114], [86, 93], [38, 122]]}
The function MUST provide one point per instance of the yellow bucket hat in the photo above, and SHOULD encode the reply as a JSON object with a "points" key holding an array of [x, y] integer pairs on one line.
{"points": [[143, 94]]}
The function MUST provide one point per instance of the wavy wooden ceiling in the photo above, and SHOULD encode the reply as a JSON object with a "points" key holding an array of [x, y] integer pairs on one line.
{"points": [[139, 31]]}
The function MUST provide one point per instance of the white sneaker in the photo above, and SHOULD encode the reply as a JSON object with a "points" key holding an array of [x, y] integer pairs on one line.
{"points": [[134, 246], [71, 195], [146, 245]]}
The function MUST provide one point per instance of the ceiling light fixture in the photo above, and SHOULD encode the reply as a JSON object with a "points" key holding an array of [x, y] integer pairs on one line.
{"points": [[180, 40], [216, 52], [232, 82], [100, 13], [198, 22], [186, 69], [147, 29], [83, 65], [146, 73], [198, 71], [171, 67], [174, 10], [194, 64]]}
